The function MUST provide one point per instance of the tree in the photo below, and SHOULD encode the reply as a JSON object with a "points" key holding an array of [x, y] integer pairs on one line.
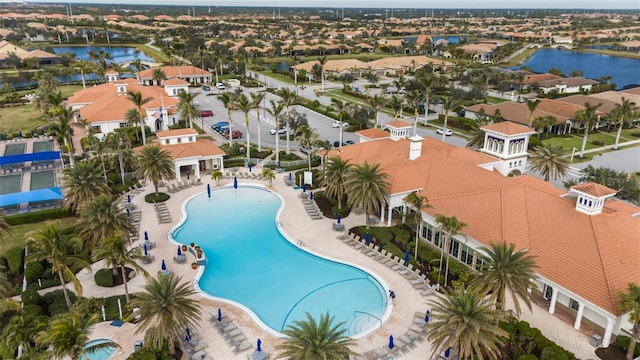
{"points": [[413, 99], [186, 108], [376, 103], [22, 329], [276, 112], [307, 136], [322, 61], [61, 252], [137, 64], [216, 175], [451, 227], [268, 174], [68, 336], [117, 141], [102, 218], [113, 250], [309, 339], [543, 122], [243, 104], [588, 117], [627, 186], [576, 73], [555, 71], [82, 183], [504, 269], [158, 75], [476, 140], [62, 128], [155, 164], [630, 303], [367, 187], [48, 81], [549, 160], [448, 104], [341, 108], [620, 113], [463, 320], [166, 308], [84, 67], [532, 105], [396, 103], [288, 99], [256, 99], [419, 203], [229, 104], [138, 101]]}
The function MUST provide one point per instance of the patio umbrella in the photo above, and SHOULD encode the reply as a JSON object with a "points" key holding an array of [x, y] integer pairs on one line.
{"points": [[366, 238], [208, 190], [187, 174], [235, 184], [144, 247], [391, 346], [146, 235], [259, 343], [188, 333], [290, 176], [164, 266], [33, 133], [128, 198], [406, 257], [127, 211], [20, 134], [304, 187], [179, 251], [219, 314], [339, 217], [447, 352], [250, 166], [311, 195], [279, 165], [426, 318]]}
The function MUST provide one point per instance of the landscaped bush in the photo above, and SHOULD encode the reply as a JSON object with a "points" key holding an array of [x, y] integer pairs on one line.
{"points": [[54, 301], [635, 134], [104, 277], [87, 306], [624, 342], [597, 142], [111, 307], [456, 267], [153, 198], [37, 216], [401, 235], [149, 354], [32, 310], [528, 357], [14, 257], [33, 272], [31, 297], [553, 353], [521, 331]]}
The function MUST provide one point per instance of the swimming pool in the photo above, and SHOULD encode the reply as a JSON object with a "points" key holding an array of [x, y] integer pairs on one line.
{"points": [[101, 354], [252, 265]]}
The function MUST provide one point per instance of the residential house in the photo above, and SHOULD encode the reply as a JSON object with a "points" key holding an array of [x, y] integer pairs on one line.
{"points": [[189, 154], [570, 85], [7, 48], [190, 74]]}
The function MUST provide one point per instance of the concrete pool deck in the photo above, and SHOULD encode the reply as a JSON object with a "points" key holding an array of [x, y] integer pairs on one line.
{"points": [[317, 235]]}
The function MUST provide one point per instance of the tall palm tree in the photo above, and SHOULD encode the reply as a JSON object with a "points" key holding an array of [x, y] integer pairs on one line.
{"points": [[376, 103], [120, 143], [84, 67], [588, 117], [426, 80], [6, 303], [396, 103], [229, 104], [476, 141], [307, 136], [448, 104], [622, 111], [413, 98], [60, 252], [504, 268], [167, 307], [419, 203], [311, 339], [243, 104], [322, 61], [367, 188], [463, 320], [288, 99], [187, 108], [82, 183], [102, 218], [630, 302], [133, 118], [137, 64], [48, 81], [62, 128], [342, 108], [68, 336], [158, 75], [256, 100], [549, 160], [155, 164], [98, 149], [532, 105], [451, 227], [114, 251], [138, 101], [276, 112], [22, 330], [542, 122]]}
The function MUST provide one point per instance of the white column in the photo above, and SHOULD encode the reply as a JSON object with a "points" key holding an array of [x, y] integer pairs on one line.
{"points": [[177, 170], [606, 339], [404, 213], [382, 213], [197, 171], [554, 298], [576, 324], [390, 216]]}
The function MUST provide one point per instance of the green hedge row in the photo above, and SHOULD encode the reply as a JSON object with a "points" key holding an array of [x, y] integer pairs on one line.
{"points": [[37, 216], [104, 277], [15, 256]]}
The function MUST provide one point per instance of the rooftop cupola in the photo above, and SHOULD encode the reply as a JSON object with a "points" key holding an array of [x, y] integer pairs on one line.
{"points": [[591, 197], [398, 129]]}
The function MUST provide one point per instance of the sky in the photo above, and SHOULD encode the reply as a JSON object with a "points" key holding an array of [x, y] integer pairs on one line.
{"points": [[449, 4]]}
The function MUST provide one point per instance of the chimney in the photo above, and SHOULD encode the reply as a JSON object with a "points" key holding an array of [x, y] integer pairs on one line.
{"points": [[415, 147]]}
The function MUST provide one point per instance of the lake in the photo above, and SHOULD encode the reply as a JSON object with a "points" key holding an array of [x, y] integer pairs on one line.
{"points": [[119, 54], [624, 71]]}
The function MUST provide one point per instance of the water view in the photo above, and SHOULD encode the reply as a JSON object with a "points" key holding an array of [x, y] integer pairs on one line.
{"points": [[119, 54], [624, 71]]}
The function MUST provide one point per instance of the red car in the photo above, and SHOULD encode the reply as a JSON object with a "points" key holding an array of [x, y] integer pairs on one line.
{"points": [[237, 134], [206, 113]]}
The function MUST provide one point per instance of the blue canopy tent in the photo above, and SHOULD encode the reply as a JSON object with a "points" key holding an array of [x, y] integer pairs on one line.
{"points": [[53, 193], [21, 158]]}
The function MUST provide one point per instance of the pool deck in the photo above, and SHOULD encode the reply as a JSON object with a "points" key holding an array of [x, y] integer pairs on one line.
{"points": [[317, 235]]}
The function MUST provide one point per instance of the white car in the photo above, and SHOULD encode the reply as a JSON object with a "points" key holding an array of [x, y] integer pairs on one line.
{"points": [[446, 132], [221, 86], [280, 131], [337, 124]]}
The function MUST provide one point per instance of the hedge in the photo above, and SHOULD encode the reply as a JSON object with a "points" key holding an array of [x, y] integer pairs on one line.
{"points": [[104, 277], [55, 301], [14, 258], [528, 357], [37, 216], [31, 297], [31, 310], [152, 198], [151, 354], [33, 272]]}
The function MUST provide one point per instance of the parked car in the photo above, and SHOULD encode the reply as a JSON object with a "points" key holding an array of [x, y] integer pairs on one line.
{"points": [[206, 113], [237, 134], [281, 131], [220, 125], [356, 90], [206, 88], [344, 143], [337, 124], [221, 86], [305, 150], [445, 131]]}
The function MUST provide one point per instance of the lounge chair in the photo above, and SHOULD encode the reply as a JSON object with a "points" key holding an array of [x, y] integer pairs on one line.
{"points": [[201, 345], [198, 355], [244, 346]]}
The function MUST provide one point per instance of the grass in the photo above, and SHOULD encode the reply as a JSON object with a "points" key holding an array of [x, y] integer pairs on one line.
{"points": [[493, 100], [362, 57], [569, 142], [16, 238], [158, 55], [280, 77]]}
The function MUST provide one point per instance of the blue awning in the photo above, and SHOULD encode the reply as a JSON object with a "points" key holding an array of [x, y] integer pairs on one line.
{"points": [[53, 193], [39, 156]]}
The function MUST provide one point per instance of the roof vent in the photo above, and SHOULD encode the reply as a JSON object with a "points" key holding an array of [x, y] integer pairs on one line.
{"points": [[591, 197]]}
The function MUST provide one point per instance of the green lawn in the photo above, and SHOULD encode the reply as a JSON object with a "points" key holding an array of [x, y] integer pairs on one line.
{"points": [[569, 142], [493, 100], [16, 238], [280, 77]]}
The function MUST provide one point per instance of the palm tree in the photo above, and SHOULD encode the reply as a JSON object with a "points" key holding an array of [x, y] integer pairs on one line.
{"points": [[367, 187], [549, 160], [307, 136], [137, 63], [588, 117], [504, 268], [308, 339], [463, 320], [448, 104], [216, 175], [342, 108], [62, 128], [256, 99], [532, 105], [621, 112], [630, 303], [22, 329], [102, 218], [476, 141], [47, 100], [48, 80], [451, 226], [288, 99], [229, 104], [68, 336], [138, 101], [84, 67], [155, 164], [413, 99], [376, 103], [82, 183], [158, 75], [133, 118], [427, 80], [6, 303], [243, 104], [117, 141], [419, 203], [276, 112], [322, 61], [114, 251], [268, 174], [396, 103], [166, 308], [60, 252], [187, 108], [542, 122]]}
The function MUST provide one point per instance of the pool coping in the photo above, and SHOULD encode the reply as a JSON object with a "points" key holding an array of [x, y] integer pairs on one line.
{"points": [[200, 270]]}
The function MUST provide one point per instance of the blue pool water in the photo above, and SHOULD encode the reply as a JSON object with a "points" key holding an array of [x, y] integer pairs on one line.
{"points": [[249, 262], [102, 354], [119, 54]]}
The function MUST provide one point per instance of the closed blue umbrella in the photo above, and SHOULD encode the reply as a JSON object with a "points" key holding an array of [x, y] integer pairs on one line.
{"points": [[311, 195], [146, 235], [304, 187], [250, 166], [406, 257], [290, 176], [164, 266], [20, 134], [219, 314], [259, 344], [426, 316], [447, 352], [128, 198], [179, 251], [187, 174], [33, 133], [127, 211], [235, 182], [339, 217], [391, 346], [366, 238], [144, 247], [208, 190], [188, 333]]}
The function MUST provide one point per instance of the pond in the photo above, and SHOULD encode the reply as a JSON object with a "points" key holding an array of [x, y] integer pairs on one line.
{"points": [[624, 71], [119, 54]]}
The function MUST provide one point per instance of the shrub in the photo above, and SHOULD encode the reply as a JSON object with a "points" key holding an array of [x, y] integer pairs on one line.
{"points": [[87, 306], [553, 353], [104, 277], [597, 142], [528, 357], [151, 354], [31, 297], [32, 310], [456, 268], [153, 198], [111, 307], [14, 259], [37, 216], [635, 134], [55, 302], [436, 277], [401, 235], [33, 272], [534, 142]]}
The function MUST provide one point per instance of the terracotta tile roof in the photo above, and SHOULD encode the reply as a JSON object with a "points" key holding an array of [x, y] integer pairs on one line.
{"points": [[398, 124], [175, 132], [373, 133], [193, 149], [508, 128], [514, 112], [594, 189], [175, 71], [536, 78], [175, 81]]}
